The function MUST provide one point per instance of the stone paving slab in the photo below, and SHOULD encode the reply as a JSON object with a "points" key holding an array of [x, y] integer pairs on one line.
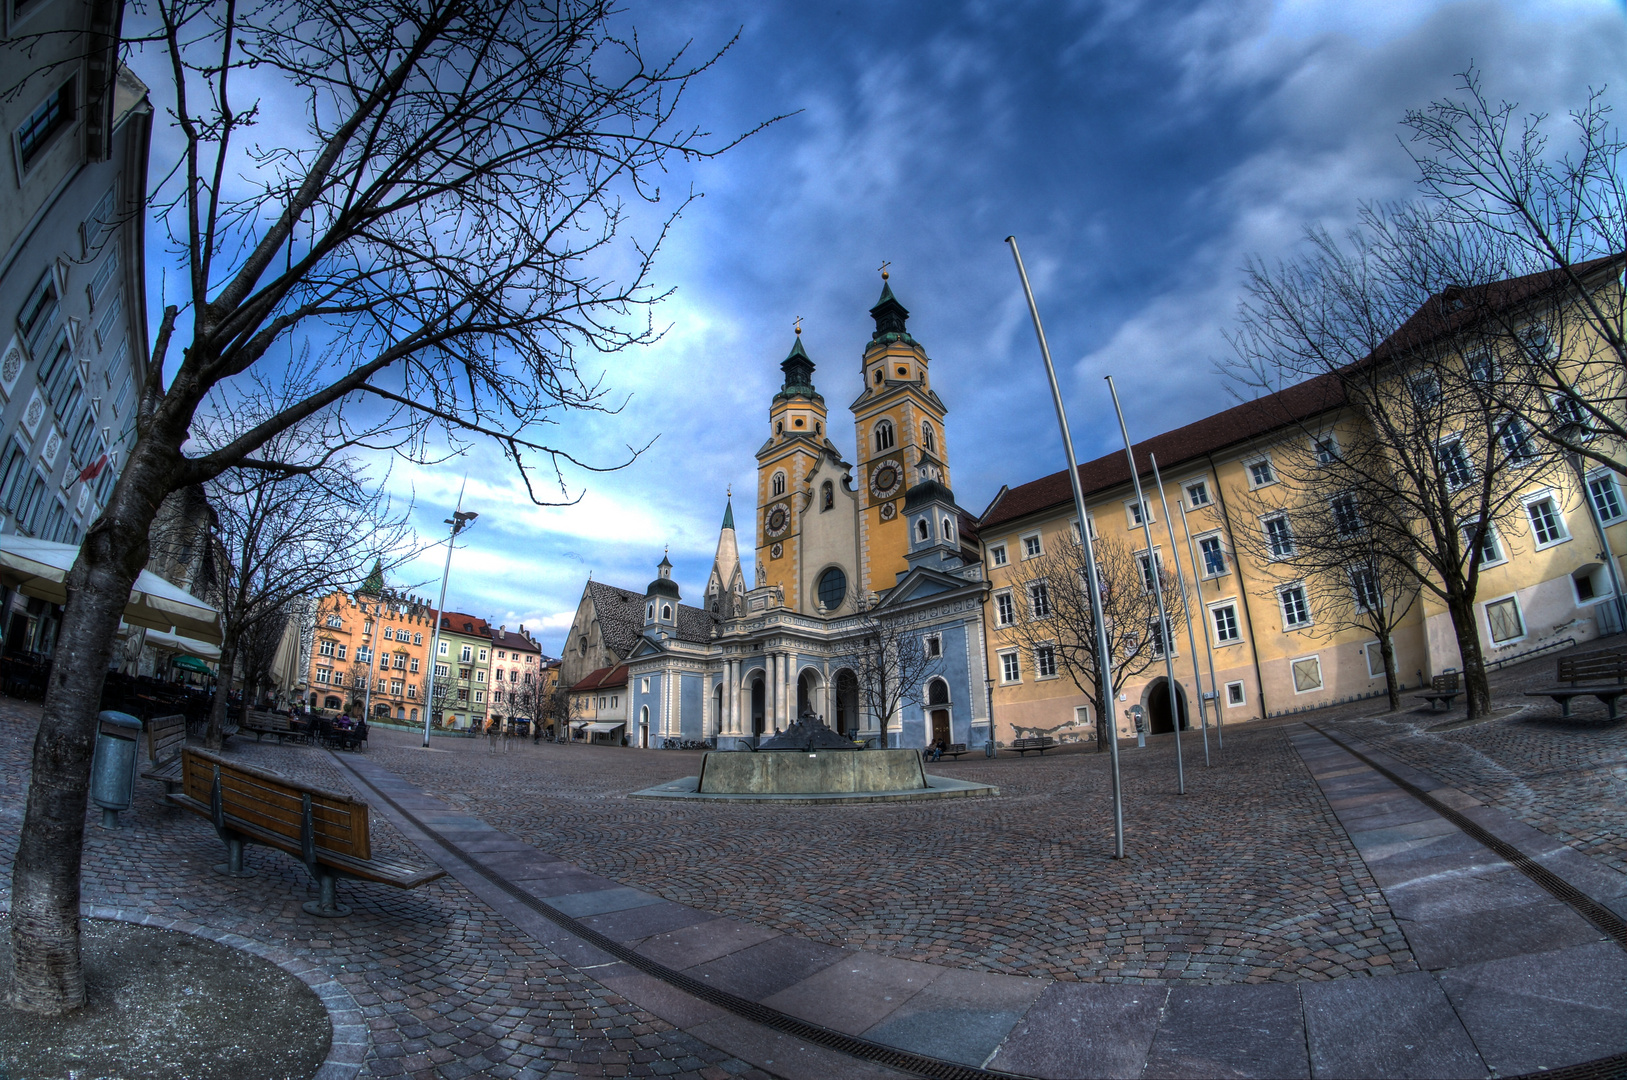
{"points": [[600, 901], [960, 1016], [1402, 1027], [633, 924], [693, 945], [1084, 1030], [765, 969], [1230, 1031], [1544, 1010], [857, 991]]}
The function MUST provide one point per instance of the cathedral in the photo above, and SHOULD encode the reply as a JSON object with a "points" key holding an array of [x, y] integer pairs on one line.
{"points": [[868, 588]]}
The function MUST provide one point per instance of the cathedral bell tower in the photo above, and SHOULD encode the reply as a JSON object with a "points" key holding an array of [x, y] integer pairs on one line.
{"points": [[795, 444], [900, 439]]}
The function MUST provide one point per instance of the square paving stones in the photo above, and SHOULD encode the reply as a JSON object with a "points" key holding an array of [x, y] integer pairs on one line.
{"points": [[960, 1016], [764, 970], [1398, 1026], [1226, 1031], [702, 942], [632, 924], [1545, 1010], [855, 992], [1084, 1030], [1501, 932]]}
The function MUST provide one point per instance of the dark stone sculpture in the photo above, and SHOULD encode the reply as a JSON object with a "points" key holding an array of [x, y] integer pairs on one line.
{"points": [[807, 732]]}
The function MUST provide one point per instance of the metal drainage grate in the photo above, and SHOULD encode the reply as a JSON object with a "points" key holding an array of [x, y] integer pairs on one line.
{"points": [[755, 1011], [1589, 908]]}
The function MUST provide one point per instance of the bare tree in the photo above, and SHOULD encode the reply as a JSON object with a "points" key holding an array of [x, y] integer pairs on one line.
{"points": [[446, 236], [1338, 541], [1432, 431], [1537, 244], [1048, 614], [889, 657]]}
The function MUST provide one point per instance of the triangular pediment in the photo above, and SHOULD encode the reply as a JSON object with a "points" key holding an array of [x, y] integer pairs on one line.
{"points": [[923, 583]]}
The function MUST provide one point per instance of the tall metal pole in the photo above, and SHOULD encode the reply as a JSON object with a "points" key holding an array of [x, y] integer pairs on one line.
{"points": [[1158, 594], [459, 520], [1107, 721], [1208, 649], [1180, 581]]}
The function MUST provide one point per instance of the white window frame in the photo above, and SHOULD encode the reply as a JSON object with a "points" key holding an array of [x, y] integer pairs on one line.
{"points": [[1282, 608], [1009, 608], [997, 555], [1527, 455], [1203, 563], [1609, 478], [1370, 650], [1271, 468], [1186, 492], [1271, 552], [1331, 441], [1039, 545], [1355, 593], [1455, 439], [1130, 513], [1321, 676], [1496, 541], [1525, 627], [1056, 668], [1534, 499], [1081, 716], [1010, 662], [1242, 694], [932, 646], [1214, 630], [1039, 588]]}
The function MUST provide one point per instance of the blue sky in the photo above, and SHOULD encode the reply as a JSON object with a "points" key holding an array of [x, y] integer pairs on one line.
{"points": [[1139, 151]]}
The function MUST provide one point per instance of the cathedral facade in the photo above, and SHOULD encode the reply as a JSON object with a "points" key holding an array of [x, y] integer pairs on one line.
{"points": [[868, 592]]}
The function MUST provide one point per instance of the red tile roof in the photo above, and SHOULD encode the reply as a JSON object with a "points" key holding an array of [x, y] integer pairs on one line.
{"points": [[603, 678], [1209, 435], [459, 623]]}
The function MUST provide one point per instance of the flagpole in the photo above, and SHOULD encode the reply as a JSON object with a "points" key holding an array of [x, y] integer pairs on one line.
{"points": [[1180, 581], [1106, 720], [1158, 594]]}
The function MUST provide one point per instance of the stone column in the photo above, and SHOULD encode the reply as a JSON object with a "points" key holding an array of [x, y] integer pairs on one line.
{"points": [[771, 693], [790, 675], [733, 691]]}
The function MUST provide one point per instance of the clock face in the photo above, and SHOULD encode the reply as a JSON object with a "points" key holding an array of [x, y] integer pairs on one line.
{"points": [[778, 520], [885, 478]]}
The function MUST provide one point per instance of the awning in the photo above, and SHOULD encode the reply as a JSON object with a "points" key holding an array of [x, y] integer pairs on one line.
{"points": [[602, 728], [578, 725], [39, 568], [190, 646], [191, 663]]}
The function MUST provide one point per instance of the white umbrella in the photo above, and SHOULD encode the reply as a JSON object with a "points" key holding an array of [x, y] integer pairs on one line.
{"points": [[39, 568], [190, 646]]}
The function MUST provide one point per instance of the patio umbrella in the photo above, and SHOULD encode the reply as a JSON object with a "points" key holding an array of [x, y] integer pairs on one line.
{"points": [[190, 647], [39, 568], [191, 663]]}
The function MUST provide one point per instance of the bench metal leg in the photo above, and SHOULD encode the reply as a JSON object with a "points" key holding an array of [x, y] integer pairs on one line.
{"points": [[233, 866], [327, 906], [1565, 707]]}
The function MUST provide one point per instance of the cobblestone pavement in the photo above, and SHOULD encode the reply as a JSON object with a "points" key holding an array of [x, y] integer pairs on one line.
{"points": [[1248, 878], [1565, 777], [447, 988]]}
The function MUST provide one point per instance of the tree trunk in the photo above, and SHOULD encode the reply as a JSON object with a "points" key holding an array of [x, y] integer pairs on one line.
{"points": [[1476, 689], [223, 693], [45, 876], [1392, 684]]}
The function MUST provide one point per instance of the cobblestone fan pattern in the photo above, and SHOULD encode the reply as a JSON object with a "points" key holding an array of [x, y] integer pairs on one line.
{"points": [[448, 989], [1565, 777], [1248, 878]]}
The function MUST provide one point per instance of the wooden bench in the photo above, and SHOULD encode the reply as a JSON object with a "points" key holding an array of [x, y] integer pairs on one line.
{"points": [[1443, 690], [1041, 743], [165, 737], [276, 724], [325, 830], [1606, 671], [954, 750]]}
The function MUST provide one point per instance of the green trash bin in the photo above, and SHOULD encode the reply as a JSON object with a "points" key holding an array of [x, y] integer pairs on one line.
{"points": [[113, 766]]}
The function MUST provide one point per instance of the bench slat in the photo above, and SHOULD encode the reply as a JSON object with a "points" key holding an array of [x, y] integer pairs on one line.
{"points": [[275, 803]]}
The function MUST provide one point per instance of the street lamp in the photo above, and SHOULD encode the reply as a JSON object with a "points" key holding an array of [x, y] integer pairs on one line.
{"points": [[459, 521]]}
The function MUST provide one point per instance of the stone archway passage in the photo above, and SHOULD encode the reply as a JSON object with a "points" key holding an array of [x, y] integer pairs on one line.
{"points": [[847, 703], [807, 693], [758, 705], [1160, 717]]}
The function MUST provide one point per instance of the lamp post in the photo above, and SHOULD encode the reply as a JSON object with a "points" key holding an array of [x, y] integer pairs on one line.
{"points": [[459, 521], [1107, 721]]}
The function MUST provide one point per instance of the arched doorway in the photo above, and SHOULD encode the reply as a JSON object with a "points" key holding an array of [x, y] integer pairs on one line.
{"points": [[937, 701], [382, 709], [847, 702], [807, 693], [1159, 718], [644, 727], [717, 709], [757, 705]]}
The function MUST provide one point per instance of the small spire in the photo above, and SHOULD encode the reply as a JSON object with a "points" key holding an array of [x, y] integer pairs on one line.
{"points": [[884, 265], [728, 511], [798, 326]]}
